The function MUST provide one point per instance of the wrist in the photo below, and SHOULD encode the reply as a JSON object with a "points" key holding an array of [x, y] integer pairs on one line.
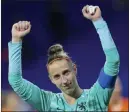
{"points": [[97, 19], [16, 40]]}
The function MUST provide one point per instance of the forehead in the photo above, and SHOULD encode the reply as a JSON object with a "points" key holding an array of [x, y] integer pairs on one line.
{"points": [[58, 66]]}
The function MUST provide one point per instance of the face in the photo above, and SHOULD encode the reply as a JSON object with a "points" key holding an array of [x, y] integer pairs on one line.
{"points": [[63, 75]]}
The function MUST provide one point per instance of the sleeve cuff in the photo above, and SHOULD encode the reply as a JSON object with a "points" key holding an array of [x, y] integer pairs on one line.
{"points": [[15, 43], [99, 23]]}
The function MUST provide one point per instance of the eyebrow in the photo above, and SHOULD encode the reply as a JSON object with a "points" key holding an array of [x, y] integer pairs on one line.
{"points": [[66, 70]]}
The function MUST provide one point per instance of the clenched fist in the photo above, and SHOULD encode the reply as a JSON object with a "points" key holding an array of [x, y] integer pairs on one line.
{"points": [[91, 12], [19, 30]]}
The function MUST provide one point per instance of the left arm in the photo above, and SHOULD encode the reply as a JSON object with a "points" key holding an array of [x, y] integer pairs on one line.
{"points": [[110, 71], [102, 90], [104, 86]]}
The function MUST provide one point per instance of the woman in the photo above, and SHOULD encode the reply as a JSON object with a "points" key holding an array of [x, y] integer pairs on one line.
{"points": [[62, 72]]}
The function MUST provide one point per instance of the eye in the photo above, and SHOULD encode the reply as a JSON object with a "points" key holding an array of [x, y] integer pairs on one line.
{"points": [[56, 76], [66, 72]]}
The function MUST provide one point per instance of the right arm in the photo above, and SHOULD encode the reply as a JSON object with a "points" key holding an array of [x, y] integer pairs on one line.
{"points": [[29, 92]]}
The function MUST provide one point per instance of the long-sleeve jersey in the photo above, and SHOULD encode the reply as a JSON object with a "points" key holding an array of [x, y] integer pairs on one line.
{"points": [[94, 99]]}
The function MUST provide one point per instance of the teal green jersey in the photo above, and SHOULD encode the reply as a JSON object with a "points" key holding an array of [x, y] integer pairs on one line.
{"points": [[94, 99]]}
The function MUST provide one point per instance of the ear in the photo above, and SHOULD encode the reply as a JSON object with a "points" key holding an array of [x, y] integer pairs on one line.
{"points": [[75, 68]]}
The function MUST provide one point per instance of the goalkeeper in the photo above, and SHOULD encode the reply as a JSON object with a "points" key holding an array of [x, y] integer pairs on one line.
{"points": [[62, 72]]}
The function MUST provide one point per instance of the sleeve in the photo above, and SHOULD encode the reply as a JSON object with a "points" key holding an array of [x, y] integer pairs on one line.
{"points": [[110, 70], [103, 88], [29, 92]]}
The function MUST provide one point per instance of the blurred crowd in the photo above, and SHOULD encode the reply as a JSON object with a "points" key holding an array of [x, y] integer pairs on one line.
{"points": [[12, 102], [118, 103]]}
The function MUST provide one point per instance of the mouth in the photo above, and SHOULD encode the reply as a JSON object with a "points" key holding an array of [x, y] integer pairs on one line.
{"points": [[68, 86]]}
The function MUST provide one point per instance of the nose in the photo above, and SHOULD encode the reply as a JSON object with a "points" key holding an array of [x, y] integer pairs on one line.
{"points": [[63, 79]]}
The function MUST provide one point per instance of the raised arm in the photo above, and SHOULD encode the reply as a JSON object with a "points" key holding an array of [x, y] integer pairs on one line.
{"points": [[29, 92], [102, 90], [110, 70]]}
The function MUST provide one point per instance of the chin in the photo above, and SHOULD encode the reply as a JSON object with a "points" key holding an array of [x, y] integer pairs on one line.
{"points": [[70, 91]]}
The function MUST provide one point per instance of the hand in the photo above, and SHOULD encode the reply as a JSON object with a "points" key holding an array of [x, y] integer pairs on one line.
{"points": [[91, 12], [19, 30]]}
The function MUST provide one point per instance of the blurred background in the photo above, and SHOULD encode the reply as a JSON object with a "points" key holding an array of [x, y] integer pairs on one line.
{"points": [[61, 21]]}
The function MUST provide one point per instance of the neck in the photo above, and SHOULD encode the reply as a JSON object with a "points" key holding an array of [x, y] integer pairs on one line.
{"points": [[71, 99]]}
